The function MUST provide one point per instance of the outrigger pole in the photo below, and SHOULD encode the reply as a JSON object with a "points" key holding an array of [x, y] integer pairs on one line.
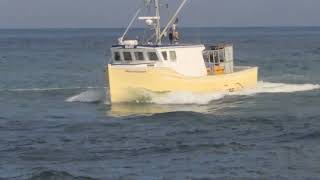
{"points": [[172, 19], [157, 25], [129, 26]]}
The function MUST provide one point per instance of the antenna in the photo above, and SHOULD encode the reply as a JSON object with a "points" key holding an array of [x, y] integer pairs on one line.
{"points": [[154, 22], [158, 26]]}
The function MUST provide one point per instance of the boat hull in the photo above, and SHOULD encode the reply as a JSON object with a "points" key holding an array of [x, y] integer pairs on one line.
{"points": [[134, 85]]}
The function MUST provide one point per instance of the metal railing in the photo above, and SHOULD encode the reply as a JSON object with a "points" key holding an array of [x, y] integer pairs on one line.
{"points": [[216, 60]]}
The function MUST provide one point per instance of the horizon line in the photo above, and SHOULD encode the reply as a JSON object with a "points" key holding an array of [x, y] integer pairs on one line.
{"points": [[264, 26]]}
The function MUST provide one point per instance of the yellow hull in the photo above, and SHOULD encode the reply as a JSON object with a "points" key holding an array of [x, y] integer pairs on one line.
{"points": [[126, 85]]}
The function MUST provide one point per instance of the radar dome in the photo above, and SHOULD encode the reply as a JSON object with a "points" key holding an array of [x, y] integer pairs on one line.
{"points": [[149, 22]]}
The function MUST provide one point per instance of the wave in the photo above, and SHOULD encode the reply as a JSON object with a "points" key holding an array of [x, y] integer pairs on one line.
{"points": [[171, 98], [58, 175]]}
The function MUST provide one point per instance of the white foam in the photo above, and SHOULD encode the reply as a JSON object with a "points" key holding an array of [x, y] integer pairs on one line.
{"points": [[202, 99], [268, 87], [186, 98]]}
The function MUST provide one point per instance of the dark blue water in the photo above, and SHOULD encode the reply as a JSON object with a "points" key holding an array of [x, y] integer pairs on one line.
{"points": [[55, 122]]}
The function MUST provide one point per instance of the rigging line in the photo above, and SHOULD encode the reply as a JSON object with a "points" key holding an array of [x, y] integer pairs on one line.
{"points": [[145, 4], [131, 22]]}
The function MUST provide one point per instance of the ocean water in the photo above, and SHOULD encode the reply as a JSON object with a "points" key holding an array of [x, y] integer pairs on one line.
{"points": [[56, 122]]}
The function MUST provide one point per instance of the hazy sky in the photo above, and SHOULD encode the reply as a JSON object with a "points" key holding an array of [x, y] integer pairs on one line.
{"points": [[116, 13]]}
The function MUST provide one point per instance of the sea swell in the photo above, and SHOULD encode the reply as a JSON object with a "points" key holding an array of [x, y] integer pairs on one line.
{"points": [[45, 89], [57, 175]]}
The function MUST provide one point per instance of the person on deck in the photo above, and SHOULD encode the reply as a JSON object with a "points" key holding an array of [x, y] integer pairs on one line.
{"points": [[173, 34]]}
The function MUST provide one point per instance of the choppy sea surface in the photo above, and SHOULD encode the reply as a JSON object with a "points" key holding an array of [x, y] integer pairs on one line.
{"points": [[55, 121]]}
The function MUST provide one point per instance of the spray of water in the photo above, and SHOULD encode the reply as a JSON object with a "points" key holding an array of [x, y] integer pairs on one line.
{"points": [[89, 96]]}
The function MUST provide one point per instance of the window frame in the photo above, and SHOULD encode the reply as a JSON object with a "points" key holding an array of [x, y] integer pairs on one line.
{"points": [[173, 56], [222, 56], [150, 53], [164, 55], [216, 57], [136, 56], [115, 55], [125, 58], [211, 57]]}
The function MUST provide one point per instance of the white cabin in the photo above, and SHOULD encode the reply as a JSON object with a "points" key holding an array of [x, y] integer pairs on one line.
{"points": [[187, 60]]}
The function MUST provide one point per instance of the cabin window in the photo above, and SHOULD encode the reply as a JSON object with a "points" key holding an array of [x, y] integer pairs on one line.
{"points": [[165, 55], [153, 56], [139, 56], [116, 56], [173, 55], [127, 56]]}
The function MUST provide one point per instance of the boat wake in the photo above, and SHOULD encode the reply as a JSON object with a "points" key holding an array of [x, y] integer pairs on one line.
{"points": [[90, 95], [202, 99], [175, 98]]}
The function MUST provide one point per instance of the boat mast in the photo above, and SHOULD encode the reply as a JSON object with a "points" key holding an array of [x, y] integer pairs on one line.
{"points": [[158, 25]]}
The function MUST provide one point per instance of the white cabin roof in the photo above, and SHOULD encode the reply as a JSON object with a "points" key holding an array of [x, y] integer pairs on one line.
{"points": [[176, 46]]}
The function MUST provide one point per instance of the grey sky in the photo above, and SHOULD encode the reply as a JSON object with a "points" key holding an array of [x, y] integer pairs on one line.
{"points": [[116, 13]]}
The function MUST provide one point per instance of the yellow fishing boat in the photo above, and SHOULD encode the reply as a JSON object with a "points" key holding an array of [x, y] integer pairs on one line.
{"points": [[138, 70]]}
